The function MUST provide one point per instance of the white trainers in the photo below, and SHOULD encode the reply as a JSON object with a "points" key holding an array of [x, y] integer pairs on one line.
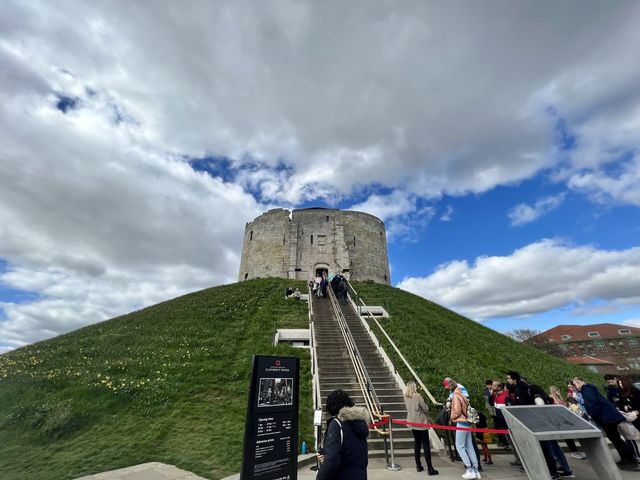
{"points": [[469, 474], [477, 472]]}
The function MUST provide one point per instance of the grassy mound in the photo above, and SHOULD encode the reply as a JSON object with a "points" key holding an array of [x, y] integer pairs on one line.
{"points": [[439, 343], [168, 383]]}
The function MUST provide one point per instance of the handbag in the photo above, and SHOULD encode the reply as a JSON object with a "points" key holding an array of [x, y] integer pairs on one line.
{"points": [[628, 431], [444, 417]]}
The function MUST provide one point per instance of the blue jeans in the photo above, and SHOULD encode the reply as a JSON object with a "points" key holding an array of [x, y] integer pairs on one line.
{"points": [[464, 446]]}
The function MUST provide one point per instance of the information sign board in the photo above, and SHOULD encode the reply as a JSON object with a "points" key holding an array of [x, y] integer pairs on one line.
{"points": [[531, 424], [271, 429]]}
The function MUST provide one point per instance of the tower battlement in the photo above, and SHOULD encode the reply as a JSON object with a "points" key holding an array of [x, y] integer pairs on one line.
{"points": [[298, 244]]}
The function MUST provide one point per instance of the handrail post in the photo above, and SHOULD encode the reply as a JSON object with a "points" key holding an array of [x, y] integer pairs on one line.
{"points": [[392, 466]]}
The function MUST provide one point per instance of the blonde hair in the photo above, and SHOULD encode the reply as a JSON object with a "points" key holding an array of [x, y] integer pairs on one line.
{"points": [[410, 390], [557, 397]]}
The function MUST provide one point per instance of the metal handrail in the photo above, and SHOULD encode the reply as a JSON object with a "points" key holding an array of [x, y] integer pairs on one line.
{"points": [[317, 397], [411, 370], [364, 380]]}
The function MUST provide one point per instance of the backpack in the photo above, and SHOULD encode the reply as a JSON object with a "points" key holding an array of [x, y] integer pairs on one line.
{"points": [[472, 414], [538, 390]]}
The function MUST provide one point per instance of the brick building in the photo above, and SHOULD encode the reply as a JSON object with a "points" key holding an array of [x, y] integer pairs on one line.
{"points": [[603, 348]]}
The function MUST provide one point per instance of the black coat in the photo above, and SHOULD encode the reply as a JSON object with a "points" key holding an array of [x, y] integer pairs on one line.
{"points": [[521, 390], [346, 455]]}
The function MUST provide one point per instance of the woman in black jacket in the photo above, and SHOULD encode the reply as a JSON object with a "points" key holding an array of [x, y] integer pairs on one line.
{"points": [[629, 400], [344, 455]]}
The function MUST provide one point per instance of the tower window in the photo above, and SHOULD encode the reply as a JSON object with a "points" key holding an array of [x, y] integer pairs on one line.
{"points": [[385, 278], [311, 239], [354, 240], [246, 275], [327, 217], [284, 239], [251, 235]]}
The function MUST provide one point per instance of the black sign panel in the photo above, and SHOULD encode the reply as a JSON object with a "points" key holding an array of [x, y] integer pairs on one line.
{"points": [[549, 419], [271, 430]]}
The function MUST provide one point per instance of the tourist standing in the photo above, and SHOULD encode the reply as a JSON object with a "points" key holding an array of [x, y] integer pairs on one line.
{"points": [[464, 438], [629, 404], [605, 414], [418, 412], [344, 453]]}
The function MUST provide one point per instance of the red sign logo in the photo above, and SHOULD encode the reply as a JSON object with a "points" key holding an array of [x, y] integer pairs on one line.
{"points": [[277, 363]]}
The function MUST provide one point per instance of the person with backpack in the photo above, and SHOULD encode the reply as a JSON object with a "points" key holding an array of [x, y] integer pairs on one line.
{"points": [[344, 453], [460, 413], [418, 412]]}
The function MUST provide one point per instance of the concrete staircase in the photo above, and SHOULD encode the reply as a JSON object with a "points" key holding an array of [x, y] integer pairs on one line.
{"points": [[336, 370]]}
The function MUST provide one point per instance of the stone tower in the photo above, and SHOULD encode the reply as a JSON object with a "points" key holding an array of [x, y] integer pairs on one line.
{"points": [[300, 243]]}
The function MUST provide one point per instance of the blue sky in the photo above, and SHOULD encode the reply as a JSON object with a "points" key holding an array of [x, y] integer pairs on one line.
{"points": [[502, 154]]}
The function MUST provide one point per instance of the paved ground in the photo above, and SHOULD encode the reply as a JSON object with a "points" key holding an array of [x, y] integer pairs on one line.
{"points": [[145, 471], [501, 470]]}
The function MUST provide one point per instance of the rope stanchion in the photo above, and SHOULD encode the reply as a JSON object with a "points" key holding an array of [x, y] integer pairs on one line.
{"points": [[392, 466], [451, 427]]}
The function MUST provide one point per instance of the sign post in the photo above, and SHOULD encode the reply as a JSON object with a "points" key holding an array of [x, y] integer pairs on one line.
{"points": [[271, 429], [529, 425]]}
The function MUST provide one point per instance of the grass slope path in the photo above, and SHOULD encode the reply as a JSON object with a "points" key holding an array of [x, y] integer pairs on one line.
{"points": [[167, 383], [439, 343]]}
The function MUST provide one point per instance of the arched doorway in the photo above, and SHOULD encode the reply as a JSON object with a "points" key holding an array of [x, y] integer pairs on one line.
{"points": [[321, 268]]}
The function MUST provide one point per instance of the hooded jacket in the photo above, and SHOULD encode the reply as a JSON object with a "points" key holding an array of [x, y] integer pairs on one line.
{"points": [[346, 454]]}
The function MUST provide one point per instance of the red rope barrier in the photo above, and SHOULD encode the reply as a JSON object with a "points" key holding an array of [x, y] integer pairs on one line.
{"points": [[384, 421], [450, 427]]}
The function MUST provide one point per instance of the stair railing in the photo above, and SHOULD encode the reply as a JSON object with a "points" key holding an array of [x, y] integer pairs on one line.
{"points": [[395, 347], [315, 375], [362, 376], [317, 398]]}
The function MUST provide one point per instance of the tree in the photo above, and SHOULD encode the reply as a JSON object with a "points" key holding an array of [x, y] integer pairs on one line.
{"points": [[534, 338], [524, 335]]}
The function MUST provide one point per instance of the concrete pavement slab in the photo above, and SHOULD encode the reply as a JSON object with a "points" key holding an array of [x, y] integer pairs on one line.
{"points": [[500, 470]]}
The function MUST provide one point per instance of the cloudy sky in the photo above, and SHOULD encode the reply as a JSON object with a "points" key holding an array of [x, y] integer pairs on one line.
{"points": [[498, 140]]}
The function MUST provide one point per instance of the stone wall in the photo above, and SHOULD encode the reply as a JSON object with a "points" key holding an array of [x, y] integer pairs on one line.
{"points": [[296, 244]]}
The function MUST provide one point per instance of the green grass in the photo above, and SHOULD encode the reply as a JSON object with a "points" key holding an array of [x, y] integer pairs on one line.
{"points": [[168, 383], [439, 343]]}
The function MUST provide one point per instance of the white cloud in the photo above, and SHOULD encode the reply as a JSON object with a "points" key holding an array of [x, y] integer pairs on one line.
{"points": [[536, 278], [523, 213], [98, 222], [404, 218], [323, 101], [446, 215], [351, 96], [632, 322], [384, 207]]}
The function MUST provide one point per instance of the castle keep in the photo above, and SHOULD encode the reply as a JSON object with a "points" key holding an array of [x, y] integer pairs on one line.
{"points": [[301, 243]]}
